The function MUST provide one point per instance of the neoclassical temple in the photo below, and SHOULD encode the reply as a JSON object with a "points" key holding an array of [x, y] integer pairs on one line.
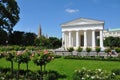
{"points": [[82, 32]]}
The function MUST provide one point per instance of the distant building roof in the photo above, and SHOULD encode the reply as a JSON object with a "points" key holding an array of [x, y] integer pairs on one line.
{"points": [[116, 29]]}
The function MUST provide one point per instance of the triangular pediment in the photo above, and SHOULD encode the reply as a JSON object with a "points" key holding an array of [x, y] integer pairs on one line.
{"points": [[82, 21]]}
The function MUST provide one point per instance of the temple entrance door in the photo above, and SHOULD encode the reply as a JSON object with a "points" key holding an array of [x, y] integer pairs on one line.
{"points": [[82, 40]]}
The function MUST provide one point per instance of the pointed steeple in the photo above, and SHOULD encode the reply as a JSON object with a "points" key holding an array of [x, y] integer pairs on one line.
{"points": [[39, 31]]}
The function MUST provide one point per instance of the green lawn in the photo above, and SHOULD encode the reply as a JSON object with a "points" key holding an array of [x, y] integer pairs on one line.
{"points": [[67, 66]]}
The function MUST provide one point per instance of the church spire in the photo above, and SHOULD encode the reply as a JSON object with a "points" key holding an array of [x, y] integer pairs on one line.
{"points": [[39, 31]]}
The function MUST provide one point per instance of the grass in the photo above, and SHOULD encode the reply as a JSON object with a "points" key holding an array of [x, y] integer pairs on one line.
{"points": [[68, 66]]}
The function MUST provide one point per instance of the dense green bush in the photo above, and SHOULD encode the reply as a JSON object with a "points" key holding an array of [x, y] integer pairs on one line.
{"points": [[97, 74], [116, 71], [101, 58], [70, 49], [54, 75], [117, 50], [88, 49], [107, 50], [57, 56], [97, 49], [79, 49]]}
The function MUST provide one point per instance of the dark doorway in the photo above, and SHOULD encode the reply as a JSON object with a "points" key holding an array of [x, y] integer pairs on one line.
{"points": [[82, 40]]}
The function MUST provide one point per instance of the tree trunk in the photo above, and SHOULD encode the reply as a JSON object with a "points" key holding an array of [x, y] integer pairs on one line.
{"points": [[97, 53], [18, 71], [27, 70], [44, 67], [12, 68], [41, 74], [41, 68]]}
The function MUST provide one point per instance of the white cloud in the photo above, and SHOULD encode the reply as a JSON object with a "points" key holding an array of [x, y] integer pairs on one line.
{"points": [[72, 10]]}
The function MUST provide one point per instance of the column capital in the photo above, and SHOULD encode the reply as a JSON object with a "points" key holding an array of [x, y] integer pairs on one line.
{"points": [[77, 30]]}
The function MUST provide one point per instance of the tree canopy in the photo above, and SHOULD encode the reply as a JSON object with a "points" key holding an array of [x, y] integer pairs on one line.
{"points": [[112, 41], [9, 14]]}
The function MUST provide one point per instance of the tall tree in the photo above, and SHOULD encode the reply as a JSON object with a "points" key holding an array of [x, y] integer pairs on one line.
{"points": [[3, 37], [9, 14], [17, 38], [29, 38], [112, 42]]}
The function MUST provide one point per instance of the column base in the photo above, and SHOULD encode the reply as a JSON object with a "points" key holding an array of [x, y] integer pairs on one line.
{"points": [[102, 48], [93, 48], [84, 48]]}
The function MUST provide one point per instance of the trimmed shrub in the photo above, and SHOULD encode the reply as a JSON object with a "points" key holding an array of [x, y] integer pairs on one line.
{"points": [[97, 49], [88, 49], [79, 49], [71, 49], [57, 56], [100, 58]]}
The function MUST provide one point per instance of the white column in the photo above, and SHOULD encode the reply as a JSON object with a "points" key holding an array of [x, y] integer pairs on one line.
{"points": [[101, 39], [77, 39], [69, 38], [66, 40], [85, 39], [63, 40], [93, 39]]}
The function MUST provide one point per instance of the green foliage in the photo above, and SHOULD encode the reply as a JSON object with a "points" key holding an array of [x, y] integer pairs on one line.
{"points": [[3, 37], [98, 49], [107, 50], [9, 12], [54, 75], [116, 71], [24, 39], [112, 42], [117, 50], [54, 42], [97, 74], [70, 49], [67, 68], [51, 42], [10, 56], [57, 56], [88, 49], [29, 39], [79, 49], [99, 58], [2, 54], [42, 59]]}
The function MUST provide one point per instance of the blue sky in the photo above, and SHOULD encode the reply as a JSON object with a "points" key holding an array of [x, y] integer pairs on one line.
{"points": [[51, 13]]}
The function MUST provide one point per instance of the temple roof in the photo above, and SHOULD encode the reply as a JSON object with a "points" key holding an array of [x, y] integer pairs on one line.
{"points": [[82, 21]]}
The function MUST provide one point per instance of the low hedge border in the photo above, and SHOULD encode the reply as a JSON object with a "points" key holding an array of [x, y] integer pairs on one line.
{"points": [[101, 58]]}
